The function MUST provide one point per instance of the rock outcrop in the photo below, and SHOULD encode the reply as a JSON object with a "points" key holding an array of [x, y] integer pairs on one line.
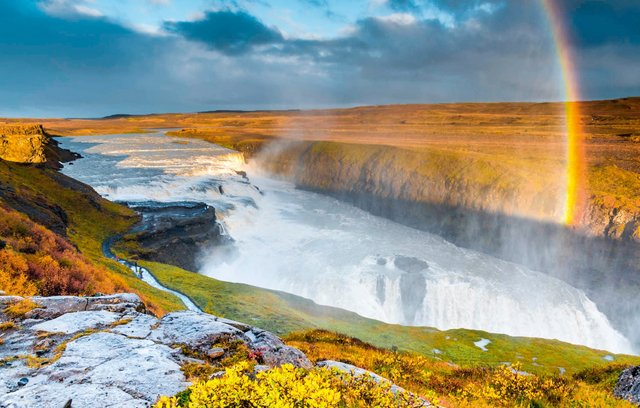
{"points": [[175, 233], [23, 143], [106, 351], [628, 386]]}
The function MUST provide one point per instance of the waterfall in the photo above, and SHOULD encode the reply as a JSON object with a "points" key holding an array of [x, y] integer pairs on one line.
{"points": [[335, 254]]}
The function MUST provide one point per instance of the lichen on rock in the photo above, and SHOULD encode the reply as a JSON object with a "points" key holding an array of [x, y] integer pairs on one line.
{"points": [[107, 351]]}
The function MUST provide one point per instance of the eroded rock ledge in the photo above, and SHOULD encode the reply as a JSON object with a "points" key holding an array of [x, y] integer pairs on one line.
{"points": [[174, 233], [107, 351]]}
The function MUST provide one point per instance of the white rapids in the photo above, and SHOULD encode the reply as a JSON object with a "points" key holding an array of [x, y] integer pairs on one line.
{"points": [[335, 254]]}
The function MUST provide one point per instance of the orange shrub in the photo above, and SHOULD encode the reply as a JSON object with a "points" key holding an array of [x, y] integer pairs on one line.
{"points": [[34, 260]]}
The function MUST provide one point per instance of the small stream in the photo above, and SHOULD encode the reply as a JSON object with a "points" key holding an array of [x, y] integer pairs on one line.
{"points": [[145, 275]]}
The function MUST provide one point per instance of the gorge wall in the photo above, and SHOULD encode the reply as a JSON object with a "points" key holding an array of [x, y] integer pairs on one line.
{"points": [[497, 208]]}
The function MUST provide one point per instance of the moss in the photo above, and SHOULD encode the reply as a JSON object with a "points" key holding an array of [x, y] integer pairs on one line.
{"points": [[19, 309], [6, 326], [197, 371]]}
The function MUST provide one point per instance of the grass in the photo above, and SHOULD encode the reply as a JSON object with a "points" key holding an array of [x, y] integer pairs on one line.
{"points": [[503, 147], [284, 314], [90, 219], [476, 385], [615, 187]]}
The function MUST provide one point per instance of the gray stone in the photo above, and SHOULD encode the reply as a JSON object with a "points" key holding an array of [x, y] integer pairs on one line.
{"points": [[9, 300], [274, 352], [139, 327], [128, 365], [83, 396], [197, 331], [215, 353], [628, 385], [120, 303], [54, 306], [238, 325], [77, 321]]}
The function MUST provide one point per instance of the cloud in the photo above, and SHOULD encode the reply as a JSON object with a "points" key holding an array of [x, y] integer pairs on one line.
{"points": [[230, 32], [596, 23], [69, 8], [77, 64], [403, 5]]}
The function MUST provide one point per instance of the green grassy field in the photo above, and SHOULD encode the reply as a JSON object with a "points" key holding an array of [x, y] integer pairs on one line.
{"points": [[284, 314]]}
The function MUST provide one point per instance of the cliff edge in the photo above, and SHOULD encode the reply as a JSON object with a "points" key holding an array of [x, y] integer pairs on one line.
{"points": [[23, 143]]}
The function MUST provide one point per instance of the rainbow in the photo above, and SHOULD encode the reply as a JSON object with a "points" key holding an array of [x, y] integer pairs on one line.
{"points": [[574, 199]]}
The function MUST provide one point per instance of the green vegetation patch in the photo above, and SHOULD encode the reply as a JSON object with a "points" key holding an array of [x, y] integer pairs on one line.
{"points": [[284, 314]]}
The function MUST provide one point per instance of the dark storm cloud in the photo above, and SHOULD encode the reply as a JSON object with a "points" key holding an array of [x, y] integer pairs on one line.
{"points": [[76, 65], [230, 32], [596, 23]]}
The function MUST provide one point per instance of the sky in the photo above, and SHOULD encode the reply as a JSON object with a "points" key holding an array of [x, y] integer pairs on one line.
{"points": [[91, 58]]}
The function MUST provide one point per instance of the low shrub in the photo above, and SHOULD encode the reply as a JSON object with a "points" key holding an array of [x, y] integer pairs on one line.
{"points": [[287, 386]]}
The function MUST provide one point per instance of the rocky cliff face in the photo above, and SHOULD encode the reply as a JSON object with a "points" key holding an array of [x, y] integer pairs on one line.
{"points": [[628, 385], [174, 233], [23, 143], [410, 186]]}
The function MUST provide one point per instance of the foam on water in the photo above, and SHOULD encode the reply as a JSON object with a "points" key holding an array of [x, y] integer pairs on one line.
{"points": [[331, 252]]}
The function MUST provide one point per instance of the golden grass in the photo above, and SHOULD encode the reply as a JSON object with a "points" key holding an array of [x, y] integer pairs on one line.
{"points": [[506, 142], [20, 308]]}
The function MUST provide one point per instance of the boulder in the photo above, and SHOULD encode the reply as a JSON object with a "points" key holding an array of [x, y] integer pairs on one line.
{"points": [[103, 369], [120, 303], [628, 385], [54, 306], [273, 351], [138, 328], [76, 322]]}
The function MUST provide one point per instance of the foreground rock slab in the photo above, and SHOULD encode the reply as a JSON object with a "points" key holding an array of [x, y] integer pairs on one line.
{"points": [[106, 351]]}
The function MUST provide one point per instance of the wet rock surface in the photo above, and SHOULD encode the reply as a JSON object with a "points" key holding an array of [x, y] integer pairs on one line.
{"points": [[106, 351], [176, 233], [628, 386]]}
